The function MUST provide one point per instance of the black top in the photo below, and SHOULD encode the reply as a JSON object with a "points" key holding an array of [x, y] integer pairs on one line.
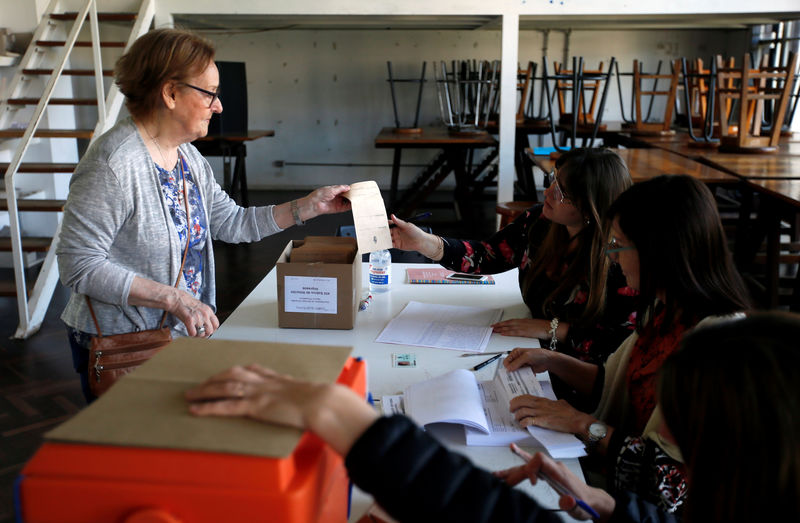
{"points": [[414, 478]]}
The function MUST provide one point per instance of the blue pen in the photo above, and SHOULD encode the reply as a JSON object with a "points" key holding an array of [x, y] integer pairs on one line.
{"points": [[420, 216], [558, 487]]}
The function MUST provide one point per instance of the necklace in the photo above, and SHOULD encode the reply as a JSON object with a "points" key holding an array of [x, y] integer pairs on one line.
{"points": [[158, 146]]}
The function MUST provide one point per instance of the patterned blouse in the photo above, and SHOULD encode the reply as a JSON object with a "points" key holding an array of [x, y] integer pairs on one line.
{"points": [[515, 246], [172, 187]]}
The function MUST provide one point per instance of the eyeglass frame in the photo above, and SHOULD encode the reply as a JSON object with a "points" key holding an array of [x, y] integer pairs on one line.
{"points": [[612, 247], [559, 194], [214, 96]]}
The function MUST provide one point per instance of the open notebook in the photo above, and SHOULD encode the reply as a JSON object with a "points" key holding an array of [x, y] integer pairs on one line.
{"points": [[482, 407]]}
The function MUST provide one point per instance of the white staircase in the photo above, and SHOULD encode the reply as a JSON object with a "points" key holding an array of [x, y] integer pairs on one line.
{"points": [[60, 97]]}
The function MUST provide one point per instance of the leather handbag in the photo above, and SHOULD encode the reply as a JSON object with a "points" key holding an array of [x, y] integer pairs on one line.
{"points": [[111, 357]]}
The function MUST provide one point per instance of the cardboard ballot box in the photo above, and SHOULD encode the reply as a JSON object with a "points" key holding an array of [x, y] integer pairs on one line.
{"points": [[80, 475], [313, 294]]}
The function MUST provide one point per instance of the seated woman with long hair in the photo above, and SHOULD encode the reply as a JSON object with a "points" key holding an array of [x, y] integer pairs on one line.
{"points": [[667, 237], [576, 300]]}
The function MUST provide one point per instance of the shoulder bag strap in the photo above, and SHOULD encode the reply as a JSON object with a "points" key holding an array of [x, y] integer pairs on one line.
{"points": [[185, 250]]}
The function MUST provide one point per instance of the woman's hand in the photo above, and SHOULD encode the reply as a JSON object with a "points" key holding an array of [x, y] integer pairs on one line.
{"points": [[325, 200], [408, 237], [525, 327], [198, 317], [192, 312], [333, 412], [555, 415], [600, 500], [257, 393], [537, 359]]}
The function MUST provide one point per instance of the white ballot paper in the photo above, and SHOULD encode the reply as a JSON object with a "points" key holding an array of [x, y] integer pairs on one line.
{"points": [[369, 216], [482, 407], [453, 327]]}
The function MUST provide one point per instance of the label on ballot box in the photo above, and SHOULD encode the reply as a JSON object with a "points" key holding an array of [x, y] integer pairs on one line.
{"points": [[310, 294]]}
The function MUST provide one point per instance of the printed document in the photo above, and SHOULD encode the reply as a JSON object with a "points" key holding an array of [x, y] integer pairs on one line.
{"points": [[452, 327], [482, 407], [369, 216]]}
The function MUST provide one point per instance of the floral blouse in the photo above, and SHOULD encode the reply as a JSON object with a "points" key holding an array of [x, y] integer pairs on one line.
{"points": [[515, 246], [172, 187]]}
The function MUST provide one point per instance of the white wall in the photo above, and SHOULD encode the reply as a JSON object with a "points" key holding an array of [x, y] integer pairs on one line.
{"points": [[325, 92]]}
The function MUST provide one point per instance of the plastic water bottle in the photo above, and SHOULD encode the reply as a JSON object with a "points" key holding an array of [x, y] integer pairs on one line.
{"points": [[380, 271]]}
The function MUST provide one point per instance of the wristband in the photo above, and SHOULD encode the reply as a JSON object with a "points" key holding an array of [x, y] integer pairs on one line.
{"points": [[296, 213]]}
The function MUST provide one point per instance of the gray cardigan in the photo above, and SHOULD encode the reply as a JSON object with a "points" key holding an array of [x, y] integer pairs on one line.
{"points": [[117, 225]]}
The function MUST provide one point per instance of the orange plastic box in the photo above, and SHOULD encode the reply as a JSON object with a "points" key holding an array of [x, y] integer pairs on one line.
{"points": [[66, 482]]}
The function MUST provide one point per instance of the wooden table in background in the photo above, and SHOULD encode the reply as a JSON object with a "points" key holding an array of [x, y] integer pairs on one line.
{"points": [[645, 164], [452, 158], [231, 145], [679, 143]]}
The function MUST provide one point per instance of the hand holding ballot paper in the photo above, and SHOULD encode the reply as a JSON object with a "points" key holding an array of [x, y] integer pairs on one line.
{"points": [[369, 216], [483, 409]]}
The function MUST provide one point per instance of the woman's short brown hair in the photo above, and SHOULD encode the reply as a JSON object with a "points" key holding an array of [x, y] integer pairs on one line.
{"points": [[157, 57]]}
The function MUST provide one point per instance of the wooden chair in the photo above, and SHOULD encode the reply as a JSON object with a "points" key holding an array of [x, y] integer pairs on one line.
{"points": [[752, 88], [564, 90], [642, 124], [697, 80], [581, 83], [524, 82], [697, 83], [414, 128]]}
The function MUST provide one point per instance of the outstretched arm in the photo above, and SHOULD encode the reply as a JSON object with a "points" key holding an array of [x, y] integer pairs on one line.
{"points": [[325, 200]]}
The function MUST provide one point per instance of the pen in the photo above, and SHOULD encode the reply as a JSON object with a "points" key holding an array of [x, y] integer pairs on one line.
{"points": [[470, 354], [420, 216], [557, 486], [479, 366]]}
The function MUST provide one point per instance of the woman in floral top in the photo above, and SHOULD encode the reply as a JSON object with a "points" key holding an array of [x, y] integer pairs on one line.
{"points": [[558, 248]]}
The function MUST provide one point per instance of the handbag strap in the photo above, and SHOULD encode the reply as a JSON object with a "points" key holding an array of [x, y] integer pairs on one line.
{"points": [[185, 251]]}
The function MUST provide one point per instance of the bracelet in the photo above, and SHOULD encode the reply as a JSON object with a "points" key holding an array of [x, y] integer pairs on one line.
{"points": [[438, 254], [296, 213], [553, 335]]}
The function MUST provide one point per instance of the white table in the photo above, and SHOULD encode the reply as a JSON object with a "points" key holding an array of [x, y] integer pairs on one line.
{"points": [[256, 319]]}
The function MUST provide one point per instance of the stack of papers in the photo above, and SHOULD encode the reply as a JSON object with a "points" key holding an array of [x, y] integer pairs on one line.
{"points": [[452, 327], [482, 407]]}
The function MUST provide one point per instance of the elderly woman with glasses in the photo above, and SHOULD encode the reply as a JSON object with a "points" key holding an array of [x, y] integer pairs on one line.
{"points": [[126, 227], [667, 237], [579, 305]]}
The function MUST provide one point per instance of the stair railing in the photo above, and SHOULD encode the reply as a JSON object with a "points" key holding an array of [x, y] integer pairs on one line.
{"points": [[31, 313]]}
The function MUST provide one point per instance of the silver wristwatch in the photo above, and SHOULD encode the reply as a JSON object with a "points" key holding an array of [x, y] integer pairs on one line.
{"points": [[597, 431]]}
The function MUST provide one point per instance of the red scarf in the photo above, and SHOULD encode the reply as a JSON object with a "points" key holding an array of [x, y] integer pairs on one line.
{"points": [[647, 356]]}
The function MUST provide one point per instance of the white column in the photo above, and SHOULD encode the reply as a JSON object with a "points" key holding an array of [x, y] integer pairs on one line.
{"points": [[508, 107]]}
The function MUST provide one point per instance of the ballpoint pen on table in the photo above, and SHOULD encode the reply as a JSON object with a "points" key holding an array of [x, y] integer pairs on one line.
{"points": [[470, 354], [556, 485], [479, 366]]}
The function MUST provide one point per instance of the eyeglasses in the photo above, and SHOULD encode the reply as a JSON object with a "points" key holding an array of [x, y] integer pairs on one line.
{"points": [[613, 247], [214, 96], [558, 194]]}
